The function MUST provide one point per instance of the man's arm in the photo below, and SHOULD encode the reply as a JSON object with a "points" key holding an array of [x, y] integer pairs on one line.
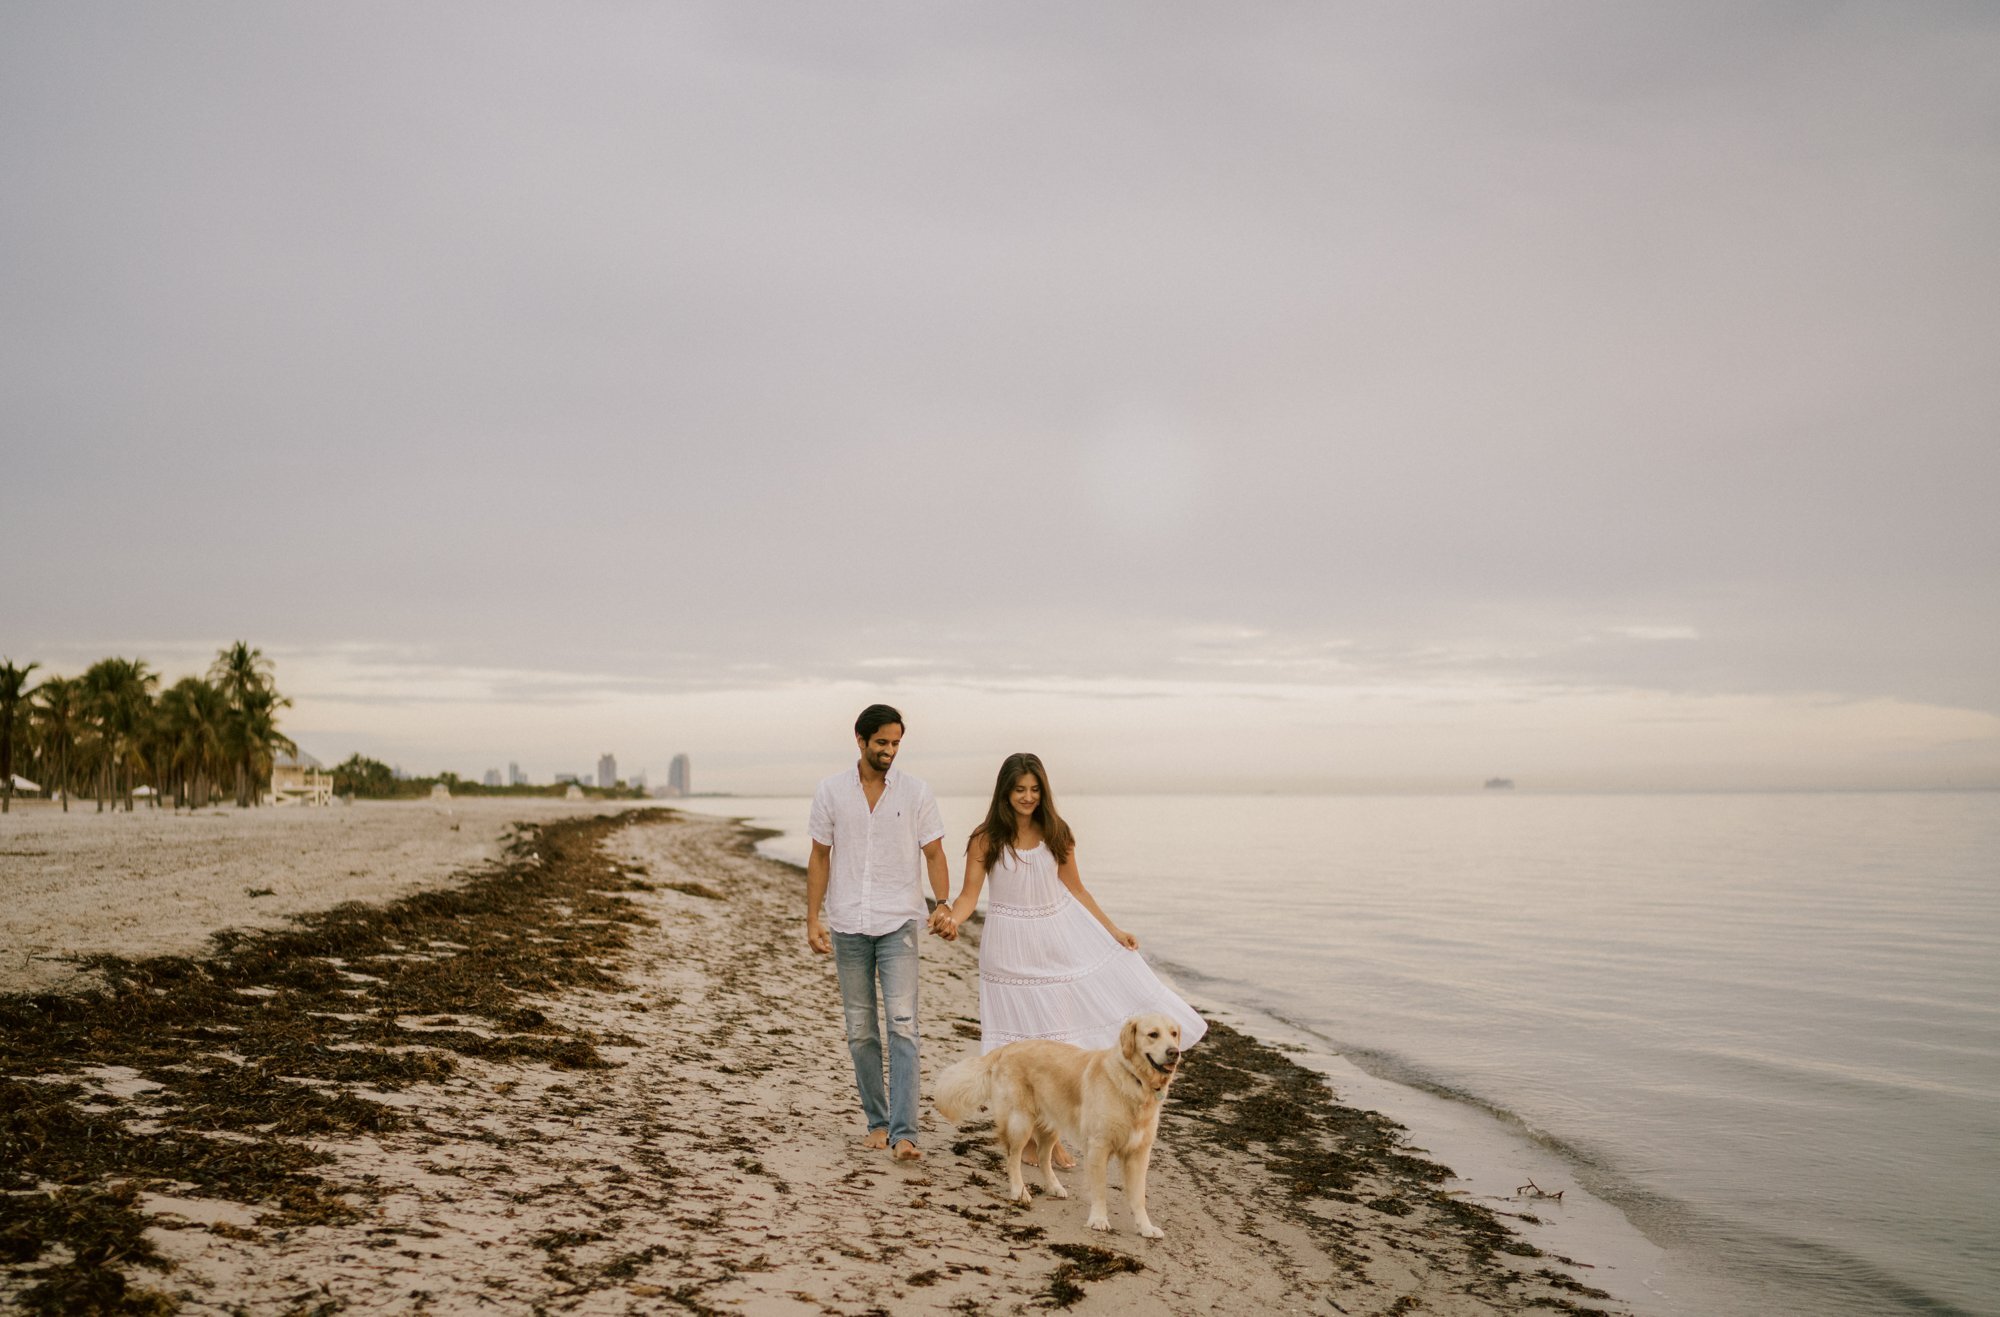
{"points": [[819, 866], [940, 876], [940, 872]]}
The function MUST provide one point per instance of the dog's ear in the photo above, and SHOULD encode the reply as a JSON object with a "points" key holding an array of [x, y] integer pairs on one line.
{"points": [[1128, 1040]]}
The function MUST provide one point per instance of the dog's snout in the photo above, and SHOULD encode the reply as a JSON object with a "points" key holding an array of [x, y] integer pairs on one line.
{"points": [[1173, 1054]]}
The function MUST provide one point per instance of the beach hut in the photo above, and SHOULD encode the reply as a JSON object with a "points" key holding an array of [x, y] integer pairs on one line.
{"points": [[439, 791], [23, 784], [575, 792], [300, 780]]}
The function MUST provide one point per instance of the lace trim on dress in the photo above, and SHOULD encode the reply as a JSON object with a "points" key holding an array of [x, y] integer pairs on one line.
{"points": [[1025, 911], [1053, 1036], [1034, 980]]}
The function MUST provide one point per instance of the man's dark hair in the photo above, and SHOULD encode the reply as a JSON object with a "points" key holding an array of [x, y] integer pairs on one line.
{"points": [[874, 718]]}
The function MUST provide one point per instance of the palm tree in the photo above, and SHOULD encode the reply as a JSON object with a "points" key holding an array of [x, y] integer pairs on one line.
{"points": [[245, 677], [100, 681], [13, 694], [59, 717], [119, 697], [260, 739], [192, 724]]}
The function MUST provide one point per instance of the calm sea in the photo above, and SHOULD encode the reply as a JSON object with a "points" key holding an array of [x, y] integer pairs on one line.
{"points": [[1765, 1027]]}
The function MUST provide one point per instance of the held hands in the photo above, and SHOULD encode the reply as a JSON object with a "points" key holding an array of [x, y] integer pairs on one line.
{"points": [[943, 924]]}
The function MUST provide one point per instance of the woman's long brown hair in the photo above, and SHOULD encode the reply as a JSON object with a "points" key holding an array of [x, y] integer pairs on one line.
{"points": [[998, 829]]}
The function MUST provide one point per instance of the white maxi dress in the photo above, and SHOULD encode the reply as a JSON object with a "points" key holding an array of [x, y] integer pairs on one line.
{"points": [[1048, 969]]}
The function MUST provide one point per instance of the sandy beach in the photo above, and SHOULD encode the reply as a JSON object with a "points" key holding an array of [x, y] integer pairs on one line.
{"points": [[155, 883], [526, 1059]]}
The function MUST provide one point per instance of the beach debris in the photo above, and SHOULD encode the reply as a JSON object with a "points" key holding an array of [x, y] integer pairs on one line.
{"points": [[1533, 1190], [1083, 1263], [317, 1053]]}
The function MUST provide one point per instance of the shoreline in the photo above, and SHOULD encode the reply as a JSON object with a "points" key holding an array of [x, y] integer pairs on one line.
{"points": [[1490, 1152], [1492, 1156], [657, 1107]]}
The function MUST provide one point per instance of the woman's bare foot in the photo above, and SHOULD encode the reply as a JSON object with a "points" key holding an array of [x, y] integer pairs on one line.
{"points": [[906, 1151], [877, 1140]]}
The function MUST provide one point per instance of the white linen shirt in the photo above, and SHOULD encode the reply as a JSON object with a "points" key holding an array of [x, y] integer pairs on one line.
{"points": [[875, 882]]}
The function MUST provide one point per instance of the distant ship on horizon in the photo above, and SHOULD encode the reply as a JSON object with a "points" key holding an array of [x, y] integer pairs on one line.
{"points": [[1499, 784]]}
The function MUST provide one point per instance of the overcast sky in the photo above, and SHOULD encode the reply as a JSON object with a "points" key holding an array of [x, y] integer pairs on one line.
{"points": [[1274, 395]]}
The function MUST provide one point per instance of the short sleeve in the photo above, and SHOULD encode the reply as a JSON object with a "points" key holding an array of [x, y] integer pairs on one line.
{"points": [[819, 826], [930, 826]]}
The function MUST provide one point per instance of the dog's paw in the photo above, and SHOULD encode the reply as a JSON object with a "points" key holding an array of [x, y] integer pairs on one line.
{"points": [[1099, 1223], [1060, 1191], [1152, 1232]]}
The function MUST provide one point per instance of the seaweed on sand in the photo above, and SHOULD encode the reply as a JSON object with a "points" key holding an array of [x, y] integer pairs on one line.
{"points": [[1083, 1263], [1238, 1091], [240, 1057]]}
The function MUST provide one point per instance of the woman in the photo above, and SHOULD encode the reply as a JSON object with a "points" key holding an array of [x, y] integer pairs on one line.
{"points": [[1051, 962]]}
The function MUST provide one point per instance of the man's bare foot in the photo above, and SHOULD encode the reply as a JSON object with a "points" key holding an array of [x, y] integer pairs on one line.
{"points": [[906, 1151], [1064, 1162], [877, 1139], [1031, 1156]]}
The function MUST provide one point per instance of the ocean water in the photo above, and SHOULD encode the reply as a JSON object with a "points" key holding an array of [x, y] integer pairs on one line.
{"points": [[1765, 1027]]}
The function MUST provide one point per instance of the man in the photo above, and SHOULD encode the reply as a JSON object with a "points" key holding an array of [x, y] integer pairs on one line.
{"points": [[876, 837]]}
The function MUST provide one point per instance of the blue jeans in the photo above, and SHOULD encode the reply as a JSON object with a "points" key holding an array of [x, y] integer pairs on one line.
{"points": [[860, 960]]}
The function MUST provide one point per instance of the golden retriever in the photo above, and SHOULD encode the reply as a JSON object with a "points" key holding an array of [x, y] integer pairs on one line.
{"points": [[1105, 1102]]}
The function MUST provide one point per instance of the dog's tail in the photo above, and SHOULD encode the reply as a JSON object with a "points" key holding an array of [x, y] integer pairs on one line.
{"points": [[962, 1090]]}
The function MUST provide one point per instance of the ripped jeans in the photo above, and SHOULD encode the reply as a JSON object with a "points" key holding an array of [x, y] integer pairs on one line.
{"points": [[859, 960]]}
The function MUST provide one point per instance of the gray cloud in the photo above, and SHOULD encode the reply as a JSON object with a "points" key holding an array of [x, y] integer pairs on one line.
{"points": [[1013, 342]]}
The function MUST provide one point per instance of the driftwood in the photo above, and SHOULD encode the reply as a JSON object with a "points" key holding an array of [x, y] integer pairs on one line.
{"points": [[1535, 1190]]}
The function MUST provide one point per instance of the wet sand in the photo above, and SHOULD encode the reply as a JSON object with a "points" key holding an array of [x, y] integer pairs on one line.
{"points": [[595, 1070]]}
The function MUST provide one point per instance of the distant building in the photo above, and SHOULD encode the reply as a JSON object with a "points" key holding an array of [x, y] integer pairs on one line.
{"points": [[638, 782], [515, 777], [680, 777], [571, 778], [607, 769], [492, 778], [297, 778]]}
